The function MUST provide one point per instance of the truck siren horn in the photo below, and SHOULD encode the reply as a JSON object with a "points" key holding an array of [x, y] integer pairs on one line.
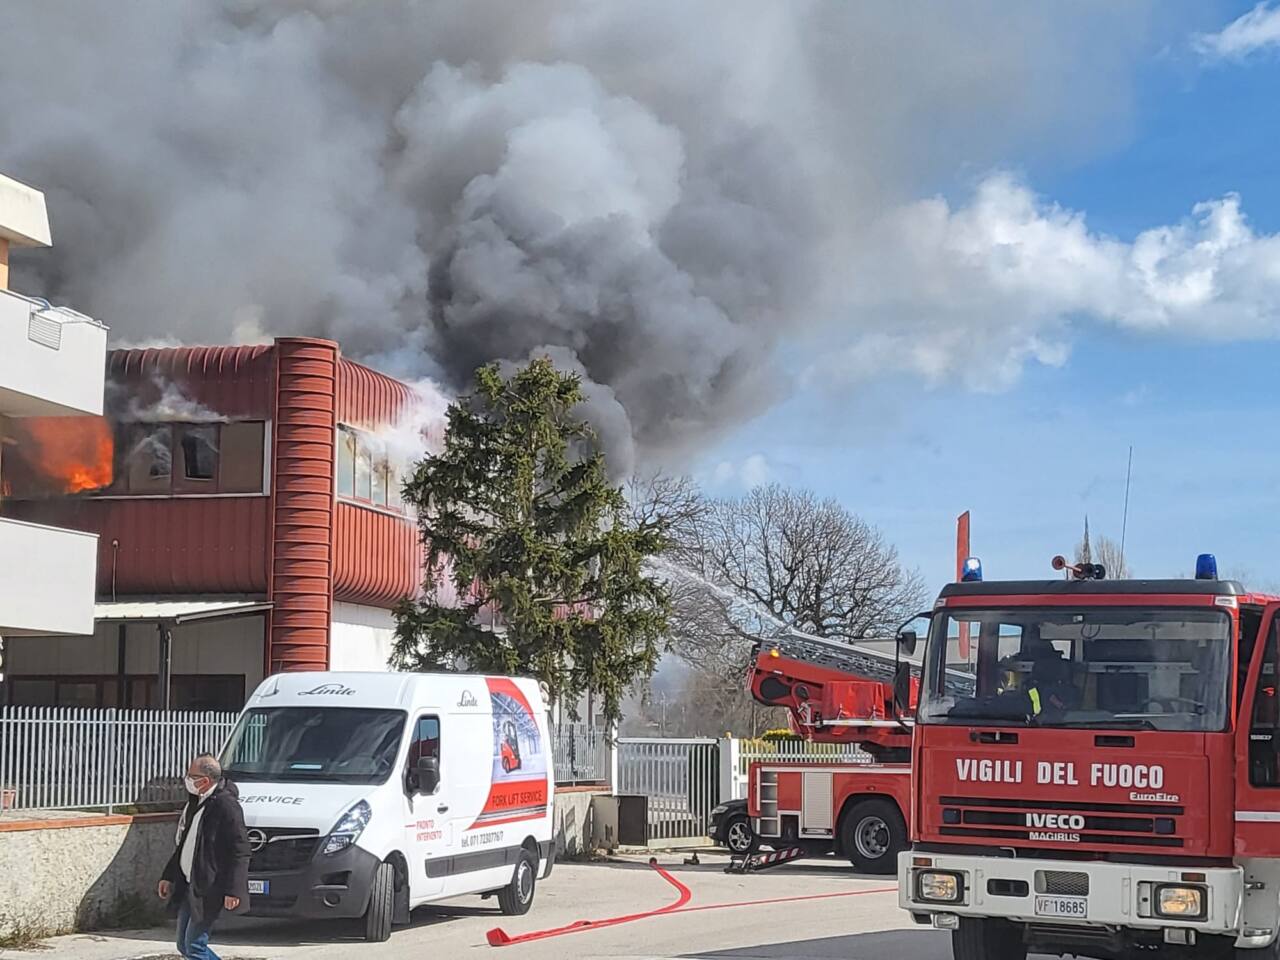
{"points": [[1080, 571]]}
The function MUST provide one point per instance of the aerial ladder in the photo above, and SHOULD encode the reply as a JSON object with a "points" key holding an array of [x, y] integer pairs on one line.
{"points": [[840, 693]]}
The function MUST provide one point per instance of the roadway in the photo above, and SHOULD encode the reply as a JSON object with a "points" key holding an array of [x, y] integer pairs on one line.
{"points": [[845, 916]]}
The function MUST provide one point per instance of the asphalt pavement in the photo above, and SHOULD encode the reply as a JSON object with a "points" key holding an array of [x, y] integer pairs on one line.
{"points": [[807, 911]]}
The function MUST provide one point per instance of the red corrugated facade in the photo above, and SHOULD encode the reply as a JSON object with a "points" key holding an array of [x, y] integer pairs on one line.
{"points": [[369, 399], [370, 545], [235, 382], [301, 570], [295, 545], [167, 545]]}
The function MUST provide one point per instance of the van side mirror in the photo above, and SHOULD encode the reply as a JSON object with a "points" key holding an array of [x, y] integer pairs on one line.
{"points": [[907, 640], [902, 690], [428, 774]]}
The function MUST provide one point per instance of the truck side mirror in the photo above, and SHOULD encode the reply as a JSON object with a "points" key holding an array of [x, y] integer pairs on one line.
{"points": [[907, 640], [428, 774], [902, 690]]}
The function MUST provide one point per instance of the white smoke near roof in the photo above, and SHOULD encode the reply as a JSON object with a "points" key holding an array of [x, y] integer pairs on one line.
{"points": [[659, 193], [417, 432], [157, 401], [1255, 31]]}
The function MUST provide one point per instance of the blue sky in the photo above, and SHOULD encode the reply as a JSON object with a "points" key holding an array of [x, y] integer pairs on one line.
{"points": [[1030, 461]]}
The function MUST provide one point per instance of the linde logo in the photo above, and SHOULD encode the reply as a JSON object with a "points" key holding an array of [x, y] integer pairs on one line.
{"points": [[467, 699], [1135, 776], [328, 690]]}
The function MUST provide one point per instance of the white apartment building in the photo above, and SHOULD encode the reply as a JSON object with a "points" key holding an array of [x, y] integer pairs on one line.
{"points": [[51, 365]]}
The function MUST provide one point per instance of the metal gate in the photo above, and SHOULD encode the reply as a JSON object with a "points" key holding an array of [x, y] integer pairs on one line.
{"points": [[681, 778]]}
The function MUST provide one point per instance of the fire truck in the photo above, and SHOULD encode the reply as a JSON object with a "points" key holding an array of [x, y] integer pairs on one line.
{"points": [[835, 693], [1096, 768]]}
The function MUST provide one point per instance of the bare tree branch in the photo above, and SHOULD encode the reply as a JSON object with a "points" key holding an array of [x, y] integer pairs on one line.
{"points": [[774, 557]]}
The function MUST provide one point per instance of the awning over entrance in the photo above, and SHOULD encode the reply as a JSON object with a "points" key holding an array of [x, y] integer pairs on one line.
{"points": [[175, 611], [168, 615]]}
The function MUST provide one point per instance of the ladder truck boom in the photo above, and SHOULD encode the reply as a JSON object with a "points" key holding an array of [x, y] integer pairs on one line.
{"points": [[857, 805], [837, 692]]}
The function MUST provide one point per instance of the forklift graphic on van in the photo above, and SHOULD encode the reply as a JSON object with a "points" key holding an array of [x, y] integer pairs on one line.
{"points": [[509, 748]]}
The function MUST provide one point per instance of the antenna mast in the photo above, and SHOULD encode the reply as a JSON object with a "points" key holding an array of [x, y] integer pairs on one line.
{"points": [[1124, 523]]}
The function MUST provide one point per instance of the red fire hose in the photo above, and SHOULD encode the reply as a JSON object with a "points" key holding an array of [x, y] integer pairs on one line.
{"points": [[498, 937]]}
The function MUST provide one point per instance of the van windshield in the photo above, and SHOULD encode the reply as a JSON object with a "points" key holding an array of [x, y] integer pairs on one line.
{"points": [[314, 745]]}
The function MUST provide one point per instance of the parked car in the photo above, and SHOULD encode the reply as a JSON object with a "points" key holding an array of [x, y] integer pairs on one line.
{"points": [[368, 794], [731, 827]]}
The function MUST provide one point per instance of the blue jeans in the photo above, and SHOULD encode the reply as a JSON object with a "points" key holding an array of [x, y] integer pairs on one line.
{"points": [[193, 935]]}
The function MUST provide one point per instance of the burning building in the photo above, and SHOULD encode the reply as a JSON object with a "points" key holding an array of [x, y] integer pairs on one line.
{"points": [[51, 370], [247, 516]]}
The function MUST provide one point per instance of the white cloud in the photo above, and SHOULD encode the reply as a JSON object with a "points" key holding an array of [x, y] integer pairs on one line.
{"points": [[1259, 29], [753, 471], [976, 291]]}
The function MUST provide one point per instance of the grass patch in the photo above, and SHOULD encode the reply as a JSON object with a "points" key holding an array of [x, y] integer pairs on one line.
{"points": [[22, 934]]}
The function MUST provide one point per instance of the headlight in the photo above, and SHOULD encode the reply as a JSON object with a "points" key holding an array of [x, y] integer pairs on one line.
{"points": [[716, 811], [346, 830], [934, 887], [1182, 903]]}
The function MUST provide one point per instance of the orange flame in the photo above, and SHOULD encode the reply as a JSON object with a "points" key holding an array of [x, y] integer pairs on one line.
{"points": [[67, 454]]}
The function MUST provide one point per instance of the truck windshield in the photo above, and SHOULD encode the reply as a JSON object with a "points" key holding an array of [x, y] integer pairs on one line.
{"points": [[1156, 669], [314, 745]]}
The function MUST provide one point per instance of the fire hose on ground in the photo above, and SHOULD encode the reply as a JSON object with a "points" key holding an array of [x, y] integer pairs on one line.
{"points": [[498, 937]]}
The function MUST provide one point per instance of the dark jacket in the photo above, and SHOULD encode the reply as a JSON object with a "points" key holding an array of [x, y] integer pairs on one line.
{"points": [[220, 866]]}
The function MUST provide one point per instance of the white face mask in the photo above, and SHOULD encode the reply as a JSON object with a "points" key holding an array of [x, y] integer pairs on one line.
{"points": [[190, 784]]}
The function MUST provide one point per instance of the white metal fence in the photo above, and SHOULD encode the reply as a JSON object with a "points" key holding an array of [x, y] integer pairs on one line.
{"points": [[680, 777], [62, 758], [55, 758], [788, 750], [581, 753]]}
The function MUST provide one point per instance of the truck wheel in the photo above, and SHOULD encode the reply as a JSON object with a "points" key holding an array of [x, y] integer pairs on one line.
{"points": [[382, 905], [987, 938], [738, 836], [516, 898], [872, 834]]}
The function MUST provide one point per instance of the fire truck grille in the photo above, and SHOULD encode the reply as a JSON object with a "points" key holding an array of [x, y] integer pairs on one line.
{"points": [[1063, 883], [1088, 824]]}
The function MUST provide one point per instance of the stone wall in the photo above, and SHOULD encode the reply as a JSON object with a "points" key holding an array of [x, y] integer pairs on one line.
{"points": [[84, 874]]}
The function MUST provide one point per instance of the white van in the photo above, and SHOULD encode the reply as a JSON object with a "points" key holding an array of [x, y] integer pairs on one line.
{"points": [[368, 794]]}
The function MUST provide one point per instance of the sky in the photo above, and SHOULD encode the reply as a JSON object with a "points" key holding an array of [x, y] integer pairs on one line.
{"points": [[1033, 457], [923, 258]]}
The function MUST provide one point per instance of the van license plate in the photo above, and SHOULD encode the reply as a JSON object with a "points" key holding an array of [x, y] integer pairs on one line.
{"points": [[261, 887], [1071, 908]]}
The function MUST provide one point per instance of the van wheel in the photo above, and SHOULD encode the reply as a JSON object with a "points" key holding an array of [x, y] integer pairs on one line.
{"points": [[382, 905], [872, 834], [987, 938], [516, 898]]}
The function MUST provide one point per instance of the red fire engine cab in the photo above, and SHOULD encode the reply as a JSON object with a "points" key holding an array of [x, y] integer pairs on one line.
{"points": [[836, 693], [1096, 769]]}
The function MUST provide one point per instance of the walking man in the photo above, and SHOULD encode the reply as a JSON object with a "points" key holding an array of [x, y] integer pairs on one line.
{"points": [[209, 870]]}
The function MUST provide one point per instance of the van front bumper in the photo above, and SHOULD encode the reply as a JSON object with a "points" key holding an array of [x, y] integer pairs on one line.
{"points": [[1055, 893], [327, 886]]}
